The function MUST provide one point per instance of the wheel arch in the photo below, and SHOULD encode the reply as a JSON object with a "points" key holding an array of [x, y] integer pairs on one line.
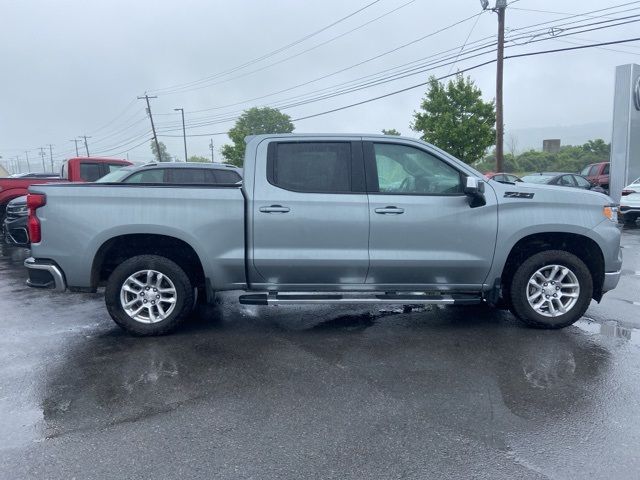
{"points": [[119, 248], [582, 246]]}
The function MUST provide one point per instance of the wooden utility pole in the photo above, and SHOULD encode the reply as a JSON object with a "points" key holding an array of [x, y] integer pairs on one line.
{"points": [[51, 156], [86, 145], [44, 168], [75, 141], [153, 127], [211, 148], [184, 133], [501, 6], [26, 154]]}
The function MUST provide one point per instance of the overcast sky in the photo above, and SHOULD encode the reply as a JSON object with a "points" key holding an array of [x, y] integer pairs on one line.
{"points": [[72, 68]]}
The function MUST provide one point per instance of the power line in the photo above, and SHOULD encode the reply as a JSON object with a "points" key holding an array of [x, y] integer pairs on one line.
{"points": [[464, 44], [206, 85], [464, 71], [397, 76], [522, 35], [272, 53]]}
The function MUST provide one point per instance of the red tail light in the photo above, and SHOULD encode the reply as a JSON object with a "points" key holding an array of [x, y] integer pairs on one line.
{"points": [[627, 192], [35, 201]]}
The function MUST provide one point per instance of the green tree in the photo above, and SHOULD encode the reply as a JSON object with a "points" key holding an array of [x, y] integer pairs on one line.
{"points": [[254, 122], [391, 131], [455, 118], [199, 159], [599, 148], [164, 155]]}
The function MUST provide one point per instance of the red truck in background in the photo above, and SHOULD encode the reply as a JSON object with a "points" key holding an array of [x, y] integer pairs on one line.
{"points": [[79, 169], [597, 174]]}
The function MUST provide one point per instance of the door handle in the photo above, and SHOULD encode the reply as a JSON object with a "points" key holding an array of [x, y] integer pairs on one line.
{"points": [[274, 209], [389, 210]]}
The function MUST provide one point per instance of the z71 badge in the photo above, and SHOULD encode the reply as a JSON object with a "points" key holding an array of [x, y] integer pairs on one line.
{"points": [[519, 195]]}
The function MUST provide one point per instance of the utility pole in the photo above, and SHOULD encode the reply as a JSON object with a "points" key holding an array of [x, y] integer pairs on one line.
{"points": [[86, 145], [211, 148], [26, 154], [153, 127], [75, 140], [44, 169], [500, 8], [51, 156], [184, 133]]}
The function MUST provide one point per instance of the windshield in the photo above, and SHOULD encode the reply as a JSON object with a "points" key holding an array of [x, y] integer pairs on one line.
{"points": [[115, 176], [537, 178]]}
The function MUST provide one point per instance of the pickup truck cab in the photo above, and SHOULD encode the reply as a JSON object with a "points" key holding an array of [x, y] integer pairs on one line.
{"points": [[79, 169], [328, 219]]}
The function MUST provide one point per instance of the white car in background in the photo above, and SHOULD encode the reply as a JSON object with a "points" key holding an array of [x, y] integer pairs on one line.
{"points": [[630, 203]]}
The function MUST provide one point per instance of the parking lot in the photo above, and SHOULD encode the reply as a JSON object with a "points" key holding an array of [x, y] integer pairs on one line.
{"points": [[317, 392]]}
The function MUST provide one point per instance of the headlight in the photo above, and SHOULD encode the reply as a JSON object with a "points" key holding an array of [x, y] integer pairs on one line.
{"points": [[611, 212]]}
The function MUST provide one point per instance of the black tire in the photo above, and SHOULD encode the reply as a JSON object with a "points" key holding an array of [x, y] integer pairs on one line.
{"points": [[519, 289], [184, 297]]}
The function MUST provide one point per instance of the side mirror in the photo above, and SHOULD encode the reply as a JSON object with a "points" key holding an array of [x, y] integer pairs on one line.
{"points": [[474, 189]]}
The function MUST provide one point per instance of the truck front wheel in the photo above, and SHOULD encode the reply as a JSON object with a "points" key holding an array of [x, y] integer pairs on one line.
{"points": [[149, 295], [551, 289]]}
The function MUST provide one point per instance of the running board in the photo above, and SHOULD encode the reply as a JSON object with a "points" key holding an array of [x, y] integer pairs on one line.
{"points": [[323, 298]]}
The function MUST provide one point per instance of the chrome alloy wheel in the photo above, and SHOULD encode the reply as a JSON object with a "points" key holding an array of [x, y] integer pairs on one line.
{"points": [[553, 290], [148, 296]]}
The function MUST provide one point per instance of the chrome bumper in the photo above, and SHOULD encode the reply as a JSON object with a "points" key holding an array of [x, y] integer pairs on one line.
{"points": [[611, 280], [57, 281]]}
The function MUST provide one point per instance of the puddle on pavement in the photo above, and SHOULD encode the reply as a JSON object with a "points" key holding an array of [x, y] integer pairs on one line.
{"points": [[609, 329]]}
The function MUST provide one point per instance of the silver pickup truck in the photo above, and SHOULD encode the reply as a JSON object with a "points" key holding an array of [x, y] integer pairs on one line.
{"points": [[328, 219]]}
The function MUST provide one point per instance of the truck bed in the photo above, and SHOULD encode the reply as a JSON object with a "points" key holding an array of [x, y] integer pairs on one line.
{"points": [[80, 218]]}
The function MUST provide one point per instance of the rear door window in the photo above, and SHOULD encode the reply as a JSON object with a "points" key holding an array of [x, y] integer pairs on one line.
{"points": [[605, 170], [594, 171], [192, 176], [313, 167]]}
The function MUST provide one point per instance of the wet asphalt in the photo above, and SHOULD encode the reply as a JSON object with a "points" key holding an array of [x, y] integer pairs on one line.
{"points": [[317, 392]]}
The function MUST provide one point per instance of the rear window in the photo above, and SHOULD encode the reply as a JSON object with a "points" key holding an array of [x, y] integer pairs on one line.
{"points": [[321, 167], [90, 172], [594, 171], [227, 176], [112, 167]]}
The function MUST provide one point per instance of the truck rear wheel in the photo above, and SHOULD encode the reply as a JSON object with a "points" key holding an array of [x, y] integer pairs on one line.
{"points": [[149, 295], [551, 289]]}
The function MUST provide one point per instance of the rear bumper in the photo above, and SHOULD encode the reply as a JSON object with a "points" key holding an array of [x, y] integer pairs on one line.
{"points": [[45, 274]]}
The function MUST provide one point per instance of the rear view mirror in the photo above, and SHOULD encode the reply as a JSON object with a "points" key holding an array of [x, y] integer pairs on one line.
{"points": [[474, 189]]}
